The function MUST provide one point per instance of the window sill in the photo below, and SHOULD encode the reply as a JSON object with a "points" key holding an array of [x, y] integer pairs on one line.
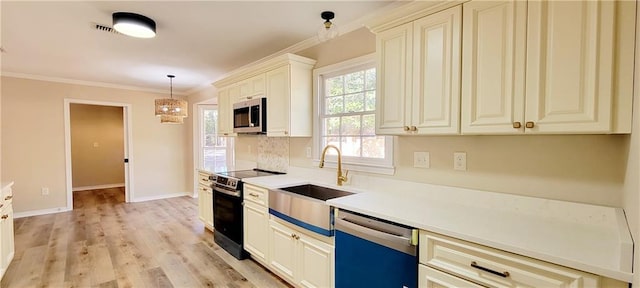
{"points": [[360, 167]]}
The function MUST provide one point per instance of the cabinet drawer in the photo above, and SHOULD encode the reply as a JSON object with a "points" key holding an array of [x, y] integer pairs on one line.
{"points": [[7, 197], [496, 268], [432, 278], [203, 179], [256, 195]]}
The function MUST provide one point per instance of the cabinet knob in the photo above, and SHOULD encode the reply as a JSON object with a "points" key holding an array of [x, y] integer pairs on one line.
{"points": [[286, 132], [529, 124], [1, 205], [414, 128], [517, 125], [406, 128], [293, 235], [253, 195], [297, 237], [226, 134], [5, 216], [8, 197]]}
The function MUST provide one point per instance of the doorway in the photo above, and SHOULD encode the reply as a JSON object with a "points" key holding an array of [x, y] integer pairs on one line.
{"points": [[84, 147]]}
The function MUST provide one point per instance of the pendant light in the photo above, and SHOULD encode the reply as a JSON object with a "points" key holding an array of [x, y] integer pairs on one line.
{"points": [[328, 30], [168, 108], [134, 25]]}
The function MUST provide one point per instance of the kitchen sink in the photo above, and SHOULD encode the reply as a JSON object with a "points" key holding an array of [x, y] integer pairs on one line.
{"points": [[305, 206], [316, 192]]}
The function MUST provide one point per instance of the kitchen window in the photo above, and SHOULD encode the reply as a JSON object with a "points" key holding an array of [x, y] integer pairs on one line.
{"points": [[217, 152], [346, 94]]}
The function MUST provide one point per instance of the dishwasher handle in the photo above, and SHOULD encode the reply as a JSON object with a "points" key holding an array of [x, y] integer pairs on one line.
{"points": [[390, 240]]}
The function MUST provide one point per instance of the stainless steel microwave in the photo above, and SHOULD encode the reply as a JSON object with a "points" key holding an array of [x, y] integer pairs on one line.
{"points": [[250, 116]]}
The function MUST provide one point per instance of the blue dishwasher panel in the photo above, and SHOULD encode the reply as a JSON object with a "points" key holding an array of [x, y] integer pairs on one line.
{"points": [[362, 263]]}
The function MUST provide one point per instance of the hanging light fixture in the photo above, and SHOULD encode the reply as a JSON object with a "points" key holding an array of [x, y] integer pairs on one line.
{"points": [[134, 25], [168, 108], [328, 30]]}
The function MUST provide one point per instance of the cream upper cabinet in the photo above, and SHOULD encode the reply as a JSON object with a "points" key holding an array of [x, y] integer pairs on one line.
{"points": [[493, 59], [225, 113], [252, 88], [419, 76], [547, 67], [569, 66], [289, 105]]}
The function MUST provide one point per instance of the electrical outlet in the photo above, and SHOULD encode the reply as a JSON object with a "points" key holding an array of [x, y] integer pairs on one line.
{"points": [[45, 191], [308, 152], [421, 159], [460, 161]]}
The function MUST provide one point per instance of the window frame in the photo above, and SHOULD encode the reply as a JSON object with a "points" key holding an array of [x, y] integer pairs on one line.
{"points": [[373, 165], [229, 148]]}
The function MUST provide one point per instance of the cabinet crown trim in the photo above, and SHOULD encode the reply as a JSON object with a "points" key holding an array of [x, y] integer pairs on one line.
{"points": [[262, 66], [409, 12]]}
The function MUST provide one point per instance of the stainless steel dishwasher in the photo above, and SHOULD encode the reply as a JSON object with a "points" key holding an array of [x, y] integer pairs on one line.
{"points": [[372, 252]]}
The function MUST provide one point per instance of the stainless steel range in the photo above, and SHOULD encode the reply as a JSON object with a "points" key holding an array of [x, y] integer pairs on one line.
{"points": [[227, 208]]}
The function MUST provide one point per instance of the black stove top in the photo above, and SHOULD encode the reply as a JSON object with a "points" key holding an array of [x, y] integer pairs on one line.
{"points": [[232, 180], [240, 174]]}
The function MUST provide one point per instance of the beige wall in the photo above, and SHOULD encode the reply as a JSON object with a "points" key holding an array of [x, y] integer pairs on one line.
{"points": [[33, 142], [97, 145]]}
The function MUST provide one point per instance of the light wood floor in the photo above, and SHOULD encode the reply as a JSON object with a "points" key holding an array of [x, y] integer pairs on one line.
{"points": [[105, 242]]}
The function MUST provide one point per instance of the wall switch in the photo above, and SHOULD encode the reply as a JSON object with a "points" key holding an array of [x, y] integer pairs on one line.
{"points": [[308, 152], [460, 161], [45, 191], [421, 159], [96, 144]]}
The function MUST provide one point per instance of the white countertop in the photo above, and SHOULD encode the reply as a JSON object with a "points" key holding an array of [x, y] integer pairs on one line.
{"points": [[586, 237]]}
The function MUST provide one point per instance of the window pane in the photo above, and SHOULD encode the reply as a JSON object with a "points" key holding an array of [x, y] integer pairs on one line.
{"points": [[334, 86], [354, 82], [354, 102], [373, 147], [333, 105], [332, 126], [369, 125], [370, 101], [351, 146], [335, 141], [370, 79], [350, 125]]}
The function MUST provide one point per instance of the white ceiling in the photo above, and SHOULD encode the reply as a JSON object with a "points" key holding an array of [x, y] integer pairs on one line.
{"points": [[198, 41]]}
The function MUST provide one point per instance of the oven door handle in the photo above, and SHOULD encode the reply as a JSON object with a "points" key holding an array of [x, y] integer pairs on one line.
{"points": [[223, 191]]}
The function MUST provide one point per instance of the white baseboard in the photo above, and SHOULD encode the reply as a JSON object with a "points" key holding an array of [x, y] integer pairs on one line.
{"points": [[105, 186], [159, 197], [40, 212]]}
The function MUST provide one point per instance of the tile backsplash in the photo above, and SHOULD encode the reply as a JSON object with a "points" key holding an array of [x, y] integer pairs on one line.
{"points": [[273, 153]]}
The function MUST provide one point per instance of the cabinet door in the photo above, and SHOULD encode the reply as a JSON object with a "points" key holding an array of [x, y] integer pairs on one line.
{"points": [[436, 73], [432, 278], [569, 66], [393, 101], [278, 93], [225, 113], [208, 204], [316, 262], [493, 65], [252, 87], [255, 229], [202, 207], [282, 251], [7, 237]]}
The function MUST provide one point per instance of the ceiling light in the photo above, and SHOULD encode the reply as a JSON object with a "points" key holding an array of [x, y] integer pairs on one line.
{"points": [[134, 25], [168, 108], [328, 30]]}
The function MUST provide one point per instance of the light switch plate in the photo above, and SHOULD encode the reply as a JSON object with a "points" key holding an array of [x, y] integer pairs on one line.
{"points": [[421, 159]]}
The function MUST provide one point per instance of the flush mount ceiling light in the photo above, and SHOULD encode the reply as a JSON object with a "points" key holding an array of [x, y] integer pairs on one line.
{"points": [[170, 109], [328, 30], [134, 25]]}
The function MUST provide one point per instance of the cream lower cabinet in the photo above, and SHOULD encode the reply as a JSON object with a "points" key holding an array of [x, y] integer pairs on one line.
{"points": [[450, 262], [547, 67], [205, 200], [299, 258], [419, 76], [7, 244], [256, 223]]}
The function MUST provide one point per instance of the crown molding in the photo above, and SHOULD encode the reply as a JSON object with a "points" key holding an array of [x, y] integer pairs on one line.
{"points": [[85, 83]]}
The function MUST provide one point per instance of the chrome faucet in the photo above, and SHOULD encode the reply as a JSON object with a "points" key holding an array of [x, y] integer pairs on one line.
{"points": [[341, 178]]}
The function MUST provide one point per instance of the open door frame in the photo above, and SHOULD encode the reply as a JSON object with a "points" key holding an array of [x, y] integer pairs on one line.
{"points": [[128, 146]]}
